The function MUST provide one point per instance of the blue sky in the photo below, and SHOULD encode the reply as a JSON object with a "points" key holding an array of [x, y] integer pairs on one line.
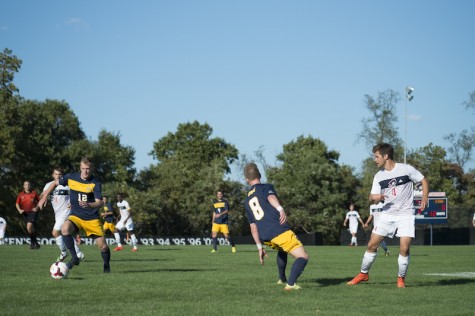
{"points": [[261, 73]]}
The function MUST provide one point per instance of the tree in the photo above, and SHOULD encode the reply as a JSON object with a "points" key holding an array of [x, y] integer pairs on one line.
{"points": [[470, 103], [191, 168], [380, 126], [461, 146], [9, 65], [313, 187]]}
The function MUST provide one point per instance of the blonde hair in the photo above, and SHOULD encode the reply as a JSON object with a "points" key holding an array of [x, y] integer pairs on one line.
{"points": [[251, 172]]}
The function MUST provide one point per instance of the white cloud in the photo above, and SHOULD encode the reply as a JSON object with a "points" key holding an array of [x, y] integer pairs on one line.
{"points": [[414, 117], [77, 23]]}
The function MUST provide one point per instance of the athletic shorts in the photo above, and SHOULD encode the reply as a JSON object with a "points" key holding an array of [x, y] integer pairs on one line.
{"points": [[287, 241], [121, 225], [220, 228], [389, 224], [90, 227], [60, 219], [354, 229], [376, 217], [108, 226], [30, 217]]}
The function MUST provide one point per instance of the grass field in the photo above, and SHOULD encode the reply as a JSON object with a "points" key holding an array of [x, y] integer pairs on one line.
{"points": [[189, 280]]}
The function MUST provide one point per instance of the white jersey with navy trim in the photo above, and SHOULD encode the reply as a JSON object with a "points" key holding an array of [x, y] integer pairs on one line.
{"points": [[59, 199], [397, 187]]}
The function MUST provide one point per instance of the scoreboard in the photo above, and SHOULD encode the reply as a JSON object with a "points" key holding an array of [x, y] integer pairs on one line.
{"points": [[435, 213]]}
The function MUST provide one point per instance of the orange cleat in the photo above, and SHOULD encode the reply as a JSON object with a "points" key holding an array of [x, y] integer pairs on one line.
{"points": [[134, 250], [118, 248], [361, 277], [400, 282]]}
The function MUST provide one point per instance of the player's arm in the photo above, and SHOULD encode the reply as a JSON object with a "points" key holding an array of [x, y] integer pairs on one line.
{"points": [[425, 193], [96, 204], [257, 240], [19, 208], [368, 220], [345, 221], [46, 193], [274, 201]]}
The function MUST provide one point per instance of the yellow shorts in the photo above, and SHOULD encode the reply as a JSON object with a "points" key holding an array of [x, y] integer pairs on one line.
{"points": [[109, 226], [220, 228], [90, 227], [287, 241]]}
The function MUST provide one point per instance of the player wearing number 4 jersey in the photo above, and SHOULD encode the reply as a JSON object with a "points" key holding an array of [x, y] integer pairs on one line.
{"points": [[86, 197], [393, 184], [268, 223]]}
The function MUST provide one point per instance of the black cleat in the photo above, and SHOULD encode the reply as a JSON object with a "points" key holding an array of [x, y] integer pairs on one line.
{"points": [[107, 269], [73, 262]]}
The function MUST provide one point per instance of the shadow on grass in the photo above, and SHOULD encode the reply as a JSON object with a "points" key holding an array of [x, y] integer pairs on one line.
{"points": [[331, 281], [166, 270]]}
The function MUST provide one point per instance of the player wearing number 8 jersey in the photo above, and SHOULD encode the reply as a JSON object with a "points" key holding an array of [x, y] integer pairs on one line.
{"points": [[86, 197], [393, 184], [268, 223]]}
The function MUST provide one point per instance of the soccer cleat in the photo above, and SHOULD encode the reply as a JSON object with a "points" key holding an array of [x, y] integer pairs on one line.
{"points": [[214, 250], [73, 262], [400, 282], [62, 256], [387, 253], [81, 256], [233, 249], [292, 287], [107, 268], [134, 250], [118, 248], [361, 277], [279, 281]]}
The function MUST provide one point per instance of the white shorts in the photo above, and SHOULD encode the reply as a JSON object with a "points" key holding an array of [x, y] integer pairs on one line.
{"points": [[60, 218], [354, 229], [376, 217], [401, 225], [121, 225]]}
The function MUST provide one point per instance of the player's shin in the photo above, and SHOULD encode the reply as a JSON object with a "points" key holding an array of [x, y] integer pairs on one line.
{"points": [[368, 259], [296, 271], [403, 263], [282, 264], [70, 244]]}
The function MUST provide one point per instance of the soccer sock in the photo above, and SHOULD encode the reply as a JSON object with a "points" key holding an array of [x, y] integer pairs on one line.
{"points": [[296, 271], [383, 245], [59, 242], [215, 243], [106, 257], [281, 265], [231, 241], [353, 240], [117, 239], [70, 244], [76, 247], [403, 265], [368, 260], [134, 240], [33, 239]]}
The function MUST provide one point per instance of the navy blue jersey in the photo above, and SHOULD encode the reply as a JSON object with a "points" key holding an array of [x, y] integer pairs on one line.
{"points": [[262, 213], [82, 190], [220, 206], [108, 208]]}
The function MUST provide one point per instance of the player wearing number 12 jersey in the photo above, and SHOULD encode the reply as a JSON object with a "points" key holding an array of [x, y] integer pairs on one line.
{"points": [[268, 223], [86, 197]]}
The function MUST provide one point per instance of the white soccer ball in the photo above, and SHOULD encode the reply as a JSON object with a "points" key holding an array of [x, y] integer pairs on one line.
{"points": [[59, 270]]}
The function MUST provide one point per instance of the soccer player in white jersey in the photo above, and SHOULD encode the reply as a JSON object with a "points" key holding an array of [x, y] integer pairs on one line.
{"points": [[393, 184], [61, 206], [374, 213], [3, 228], [124, 221], [354, 217]]}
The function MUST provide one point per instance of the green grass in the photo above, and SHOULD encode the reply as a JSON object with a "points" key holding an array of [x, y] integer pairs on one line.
{"points": [[189, 280]]}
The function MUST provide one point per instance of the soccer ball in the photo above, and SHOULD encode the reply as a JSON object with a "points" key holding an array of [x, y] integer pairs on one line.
{"points": [[59, 270]]}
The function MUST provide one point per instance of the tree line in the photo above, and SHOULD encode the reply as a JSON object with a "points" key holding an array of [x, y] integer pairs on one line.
{"points": [[173, 196]]}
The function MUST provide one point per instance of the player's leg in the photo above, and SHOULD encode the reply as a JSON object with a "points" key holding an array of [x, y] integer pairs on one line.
{"points": [[30, 219], [118, 228], [301, 260], [133, 238], [214, 237], [67, 230], [368, 258], [228, 237], [281, 266], [385, 247], [105, 252]]}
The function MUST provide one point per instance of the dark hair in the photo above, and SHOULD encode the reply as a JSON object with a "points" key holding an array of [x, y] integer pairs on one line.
{"points": [[384, 149]]}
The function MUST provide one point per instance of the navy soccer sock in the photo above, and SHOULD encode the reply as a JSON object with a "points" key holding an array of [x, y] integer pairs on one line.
{"points": [[297, 269], [69, 242], [106, 257], [282, 264], [215, 243]]}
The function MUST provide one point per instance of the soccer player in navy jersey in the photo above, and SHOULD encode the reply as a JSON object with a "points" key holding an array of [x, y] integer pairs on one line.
{"points": [[86, 198], [268, 223], [393, 184], [219, 222]]}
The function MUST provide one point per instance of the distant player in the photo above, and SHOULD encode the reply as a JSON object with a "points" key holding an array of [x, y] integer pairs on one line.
{"points": [[108, 216], [3, 228], [374, 214], [393, 184], [354, 217], [268, 223], [124, 222], [219, 222], [61, 205], [27, 205]]}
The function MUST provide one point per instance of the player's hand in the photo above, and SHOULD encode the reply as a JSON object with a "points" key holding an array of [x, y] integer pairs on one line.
{"points": [[283, 218], [424, 204], [262, 254]]}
